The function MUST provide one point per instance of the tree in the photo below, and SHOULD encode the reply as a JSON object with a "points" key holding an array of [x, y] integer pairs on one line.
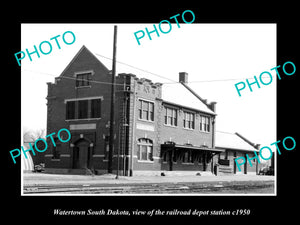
{"points": [[29, 136]]}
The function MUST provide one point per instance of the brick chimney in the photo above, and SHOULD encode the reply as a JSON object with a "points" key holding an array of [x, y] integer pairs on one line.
{"points": [[212, 106], [183, 77]]}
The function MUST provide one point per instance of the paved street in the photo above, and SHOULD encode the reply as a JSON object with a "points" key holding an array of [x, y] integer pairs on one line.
{"points": [[39, 183]]}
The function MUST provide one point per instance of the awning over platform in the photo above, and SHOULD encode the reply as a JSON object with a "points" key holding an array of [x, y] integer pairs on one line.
{"points": [[171, 146]]}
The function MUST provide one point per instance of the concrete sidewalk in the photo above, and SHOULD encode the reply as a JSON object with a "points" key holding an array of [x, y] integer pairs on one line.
{"points": [[36, 179]]}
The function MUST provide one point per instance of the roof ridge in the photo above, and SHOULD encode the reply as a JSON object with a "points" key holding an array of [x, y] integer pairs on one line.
{"points": [[225, 132]]}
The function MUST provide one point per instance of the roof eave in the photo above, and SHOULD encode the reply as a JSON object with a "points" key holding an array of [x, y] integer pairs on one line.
{"points": [[187, 107]]}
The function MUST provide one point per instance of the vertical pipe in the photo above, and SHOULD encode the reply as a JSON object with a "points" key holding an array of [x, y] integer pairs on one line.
{"points": [[112, 111], [133, 131]]}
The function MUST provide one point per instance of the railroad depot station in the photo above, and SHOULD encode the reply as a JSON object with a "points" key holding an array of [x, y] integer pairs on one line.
{"points": [[156, 129]]}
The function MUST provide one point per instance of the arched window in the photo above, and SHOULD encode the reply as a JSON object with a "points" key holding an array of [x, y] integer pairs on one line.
{"points": [[145, 149]]}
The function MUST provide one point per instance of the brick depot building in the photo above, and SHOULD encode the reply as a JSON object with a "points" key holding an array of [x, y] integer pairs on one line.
{"points": [[156, 128]]}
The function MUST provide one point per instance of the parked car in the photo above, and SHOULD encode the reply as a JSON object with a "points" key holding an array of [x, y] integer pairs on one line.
{"points": [[266, 171], [39, 168]]}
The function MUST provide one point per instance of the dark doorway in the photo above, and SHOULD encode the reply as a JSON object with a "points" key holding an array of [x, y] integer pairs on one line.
{"points": [[81, 155], [76, 158], [245, 165]]}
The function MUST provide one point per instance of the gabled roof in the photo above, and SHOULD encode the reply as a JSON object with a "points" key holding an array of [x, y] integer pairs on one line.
{"points": [[82, 50], [232, 141], [176, 93]]}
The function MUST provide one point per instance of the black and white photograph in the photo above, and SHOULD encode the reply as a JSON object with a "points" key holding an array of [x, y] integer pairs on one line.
{"points": [[153, 120], [179, 124]]}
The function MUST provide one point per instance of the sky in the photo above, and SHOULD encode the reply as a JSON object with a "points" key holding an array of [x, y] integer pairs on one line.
{"points": [[216, 57]]}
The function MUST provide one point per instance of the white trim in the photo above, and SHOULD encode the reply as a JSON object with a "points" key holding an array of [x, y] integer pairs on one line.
{"points": [[187, 163], [147, 127], [85, 98], [83, 72], [186, 128], [147, 100], [115, 156], [83, 126], [100, 156], [145, 161], [88, 86], [168, 125], [205, 132], [148, 121], [86, 119]]}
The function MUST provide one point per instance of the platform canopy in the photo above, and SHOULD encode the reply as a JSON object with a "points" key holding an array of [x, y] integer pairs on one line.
{"points": [[171, 146]]}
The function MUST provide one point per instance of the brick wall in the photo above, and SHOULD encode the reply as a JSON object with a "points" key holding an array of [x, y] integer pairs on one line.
{"points": [[129, 128], [157, 131], [65, 88]]}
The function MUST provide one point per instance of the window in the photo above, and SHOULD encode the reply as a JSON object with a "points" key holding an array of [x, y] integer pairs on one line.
{"points": [[199, 158], [95, 108], [171, 116], [83, 109], [187, 157], [145, 149], [146, 110], [83, 80], [151, 111], [165, 157], [175, 156], [189, 120], [204, 123], [70, 108]]}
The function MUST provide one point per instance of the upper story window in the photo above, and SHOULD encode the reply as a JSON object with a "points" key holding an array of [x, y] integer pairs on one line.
{"points": [[83, 109], [204, 123], [146, 110], [96, 108], [70, 110], [170, 116], [83, 79], [189, 120]]}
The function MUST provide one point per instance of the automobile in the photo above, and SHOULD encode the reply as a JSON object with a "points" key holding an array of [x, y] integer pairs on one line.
{"points": [[39, 168], [266, 171]]}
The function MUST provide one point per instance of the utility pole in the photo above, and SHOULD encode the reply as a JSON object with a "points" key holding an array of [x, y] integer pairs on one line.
{"points": [[112, 106]]}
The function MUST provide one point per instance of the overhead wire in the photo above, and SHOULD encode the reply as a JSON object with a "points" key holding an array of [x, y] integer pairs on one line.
{"points": [[146, 71]]}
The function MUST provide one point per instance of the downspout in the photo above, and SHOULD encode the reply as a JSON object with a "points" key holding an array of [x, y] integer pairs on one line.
{"points": [[133, 132], [212, 143]]}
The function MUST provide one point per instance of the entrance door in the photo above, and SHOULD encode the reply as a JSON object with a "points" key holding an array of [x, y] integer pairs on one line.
{"points": [[76, 158], [81, 155]]}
